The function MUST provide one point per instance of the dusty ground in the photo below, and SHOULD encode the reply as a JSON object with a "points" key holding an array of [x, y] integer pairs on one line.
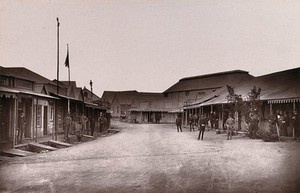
{"points": [[156, 158]]}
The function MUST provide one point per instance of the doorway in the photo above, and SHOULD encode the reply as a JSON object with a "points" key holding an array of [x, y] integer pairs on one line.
{"points": [[4, 118], [45, 124]]}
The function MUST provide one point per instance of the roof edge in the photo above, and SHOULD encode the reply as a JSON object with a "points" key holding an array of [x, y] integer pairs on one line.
{"points": [[214, 74]]}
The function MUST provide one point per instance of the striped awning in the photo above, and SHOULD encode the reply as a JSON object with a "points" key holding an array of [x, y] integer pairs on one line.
{"points": [[7, 92], [276, 101]]}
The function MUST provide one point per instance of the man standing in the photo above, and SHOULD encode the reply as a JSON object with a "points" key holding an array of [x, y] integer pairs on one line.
{"points": [[101, 122], [230, 122], [21, 126], [202, 124], [83, 121], [296, 123], [195, 120], [67, 126], [214, 121], [178, 123], [92, 125], [191, 122], [253, 127]]}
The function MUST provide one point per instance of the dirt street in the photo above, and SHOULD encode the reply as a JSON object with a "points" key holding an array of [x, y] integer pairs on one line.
{"points": [[156, 158]]}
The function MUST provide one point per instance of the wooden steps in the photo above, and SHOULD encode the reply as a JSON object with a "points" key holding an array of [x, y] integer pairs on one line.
{"points": [[113, 131], [37, 147], [59, 143], [17, 152]]}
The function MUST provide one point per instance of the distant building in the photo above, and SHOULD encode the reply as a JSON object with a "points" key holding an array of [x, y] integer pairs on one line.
{"points": [[120, 101], [280, 91], [191, 89], [22, 90], [150, 108]]}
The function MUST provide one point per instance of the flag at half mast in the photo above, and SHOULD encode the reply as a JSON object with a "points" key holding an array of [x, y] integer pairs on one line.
{"points": [[67, 58]]}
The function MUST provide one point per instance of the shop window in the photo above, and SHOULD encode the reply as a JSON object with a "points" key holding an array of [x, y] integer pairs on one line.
{"points": [[39, 116], [51, 113]]}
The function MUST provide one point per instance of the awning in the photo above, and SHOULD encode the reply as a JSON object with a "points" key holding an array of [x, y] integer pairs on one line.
{"points": [[66, 97], [147, 110], [38, 94], [216, 100], [178, 110], [284, 101], [93, 105], [7, 92]]}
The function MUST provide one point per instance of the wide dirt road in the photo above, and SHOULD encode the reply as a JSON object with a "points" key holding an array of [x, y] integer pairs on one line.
{"points": [[156, 158]]}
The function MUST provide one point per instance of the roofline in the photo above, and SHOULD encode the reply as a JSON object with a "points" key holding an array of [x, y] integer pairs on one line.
{"points": [[110, 91], [200, 89], [214, 74], [11, 68], [282, 71]]}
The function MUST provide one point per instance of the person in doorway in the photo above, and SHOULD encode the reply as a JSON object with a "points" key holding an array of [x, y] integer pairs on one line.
{"points": [[202, 123], [67, 126], [21, 126], [230, 122], [179, 123]]}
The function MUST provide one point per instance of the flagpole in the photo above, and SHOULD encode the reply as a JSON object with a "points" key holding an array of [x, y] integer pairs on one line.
{"points": [[57, 80], [67, 62]]}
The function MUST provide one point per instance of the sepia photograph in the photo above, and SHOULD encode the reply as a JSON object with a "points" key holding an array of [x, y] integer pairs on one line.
{"points": [[150, 96]]}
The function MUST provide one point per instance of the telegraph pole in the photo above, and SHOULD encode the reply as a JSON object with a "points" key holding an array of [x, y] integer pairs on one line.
{"points": [[57, 80]]}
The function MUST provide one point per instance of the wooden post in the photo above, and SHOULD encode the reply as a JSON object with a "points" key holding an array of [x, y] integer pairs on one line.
{"points": [[294, 109], [57, 80], [15, 114], [36, 119]]}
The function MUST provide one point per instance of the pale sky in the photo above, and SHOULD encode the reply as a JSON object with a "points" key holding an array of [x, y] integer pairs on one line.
{"points": [[148, 45]]}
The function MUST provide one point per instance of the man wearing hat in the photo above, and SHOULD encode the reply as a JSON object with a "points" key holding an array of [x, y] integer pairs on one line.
{"points": [[230, 122], [202, 124], [253, 127], [67, 126], [21, 126]]}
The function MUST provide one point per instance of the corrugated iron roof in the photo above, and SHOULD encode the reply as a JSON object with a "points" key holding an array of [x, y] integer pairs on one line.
{"points": [[23, 73], [211, 81], [279, 86]]}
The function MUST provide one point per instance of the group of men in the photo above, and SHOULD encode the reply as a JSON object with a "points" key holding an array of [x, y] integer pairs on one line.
{"points": [[281, 121], [197, 122], [193, 120], [230, 123], [252, 121], [81, 128]]}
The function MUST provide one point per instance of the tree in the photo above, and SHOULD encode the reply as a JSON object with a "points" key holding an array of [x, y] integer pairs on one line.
{"points": [[244, 106]]}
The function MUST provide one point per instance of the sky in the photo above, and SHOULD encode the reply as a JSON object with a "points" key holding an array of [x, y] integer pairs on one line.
{"points": [[148, 45]]}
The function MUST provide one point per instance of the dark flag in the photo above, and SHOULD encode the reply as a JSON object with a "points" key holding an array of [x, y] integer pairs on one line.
{"points": [[67, 58]]}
